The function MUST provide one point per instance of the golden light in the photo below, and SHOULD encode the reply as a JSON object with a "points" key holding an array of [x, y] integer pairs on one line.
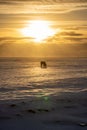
{"points": [[39, 30]]}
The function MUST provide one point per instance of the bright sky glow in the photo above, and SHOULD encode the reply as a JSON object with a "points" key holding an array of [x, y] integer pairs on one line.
{"points": [[39, 30]]}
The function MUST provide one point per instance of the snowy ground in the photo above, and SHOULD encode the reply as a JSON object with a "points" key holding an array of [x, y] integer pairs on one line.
{"points": [[67, 110]]}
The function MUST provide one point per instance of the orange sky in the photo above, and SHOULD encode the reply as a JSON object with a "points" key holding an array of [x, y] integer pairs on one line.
{"points": [[67, 15]]}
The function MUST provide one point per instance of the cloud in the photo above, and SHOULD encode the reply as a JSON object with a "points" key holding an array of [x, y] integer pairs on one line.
{"points": [[71, 33], [7, 2], [62, 37], [68, 37], [15, 40], [41, 6], [64, 44], [77, 40], [45, 1]]}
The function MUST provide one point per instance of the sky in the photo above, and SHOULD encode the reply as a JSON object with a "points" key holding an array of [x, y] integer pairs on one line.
{"points": [[68, 16]]}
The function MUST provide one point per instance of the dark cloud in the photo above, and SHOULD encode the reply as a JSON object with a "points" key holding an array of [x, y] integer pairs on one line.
{"points": [[75, 28], [75, 39], [7, 2], [13, 40], [71, 34], [68, 37]]}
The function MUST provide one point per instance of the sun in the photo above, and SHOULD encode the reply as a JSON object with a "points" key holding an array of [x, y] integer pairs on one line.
{"points": [[38, 30]]}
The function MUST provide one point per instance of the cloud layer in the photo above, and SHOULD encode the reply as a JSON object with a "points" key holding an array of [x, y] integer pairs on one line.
{"points": [[41, 6], [67, 36]]}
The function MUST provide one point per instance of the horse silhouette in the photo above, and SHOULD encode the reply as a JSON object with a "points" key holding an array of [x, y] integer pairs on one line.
{"points": [[43, 64]]}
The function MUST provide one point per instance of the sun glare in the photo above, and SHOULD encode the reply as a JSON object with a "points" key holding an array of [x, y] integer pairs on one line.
{"points": [[38, 30]]}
